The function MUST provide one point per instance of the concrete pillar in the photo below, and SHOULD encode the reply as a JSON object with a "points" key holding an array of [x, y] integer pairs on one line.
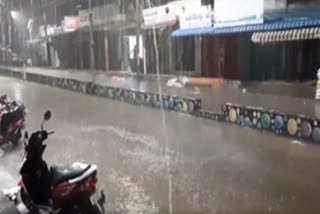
{"points": [[138, 34], [197, 57], [170, 50], [10, 27], [106, 51], [92, 44], [3, 27]]}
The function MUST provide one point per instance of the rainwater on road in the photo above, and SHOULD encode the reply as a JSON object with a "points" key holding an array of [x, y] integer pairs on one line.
{"points": [[215, 167]]}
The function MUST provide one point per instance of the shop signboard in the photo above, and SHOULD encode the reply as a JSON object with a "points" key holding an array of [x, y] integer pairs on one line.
{"points": [[101, 15], [71, 23], [51, 30], [196, 17], [229, 13], [106, 14], [180, 4], [84, 17], [161, 16]]}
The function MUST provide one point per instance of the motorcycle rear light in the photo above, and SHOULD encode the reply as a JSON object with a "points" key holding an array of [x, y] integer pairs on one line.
{"points": [[92, 183]]}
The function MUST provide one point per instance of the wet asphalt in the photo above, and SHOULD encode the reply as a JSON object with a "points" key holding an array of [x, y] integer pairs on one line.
{"points": [[160, 162]]}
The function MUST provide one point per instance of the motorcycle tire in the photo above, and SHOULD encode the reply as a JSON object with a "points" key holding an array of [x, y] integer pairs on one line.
{"points": [[27, 202]]}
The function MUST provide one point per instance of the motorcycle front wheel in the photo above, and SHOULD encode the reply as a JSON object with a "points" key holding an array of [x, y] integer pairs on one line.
{"points": [[27, 201], [99, 209]]}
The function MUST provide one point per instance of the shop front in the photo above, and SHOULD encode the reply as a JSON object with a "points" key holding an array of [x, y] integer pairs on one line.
{"points": [[111, 26], [69, 44], [157, 24], [176, 56], [278, 45]]}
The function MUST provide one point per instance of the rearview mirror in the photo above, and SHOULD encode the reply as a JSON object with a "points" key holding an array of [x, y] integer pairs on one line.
{"points": [[47, 115]]}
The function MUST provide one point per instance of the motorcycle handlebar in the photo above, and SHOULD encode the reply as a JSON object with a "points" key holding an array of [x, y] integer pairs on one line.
{"points": [[50, 132]]}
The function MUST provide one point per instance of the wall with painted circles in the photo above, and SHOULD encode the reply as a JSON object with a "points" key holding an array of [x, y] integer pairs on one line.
{"points": [[295, 126]]}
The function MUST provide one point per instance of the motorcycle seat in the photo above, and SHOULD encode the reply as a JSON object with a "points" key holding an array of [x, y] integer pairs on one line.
{"points": [[60, 174]]}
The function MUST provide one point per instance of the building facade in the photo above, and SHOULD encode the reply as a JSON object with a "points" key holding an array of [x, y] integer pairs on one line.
{"points": [[58, 34], [231, 53]]}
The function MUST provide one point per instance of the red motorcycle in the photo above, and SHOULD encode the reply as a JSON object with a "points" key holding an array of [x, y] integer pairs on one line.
{"points": [[71, 187], [12, 120]]}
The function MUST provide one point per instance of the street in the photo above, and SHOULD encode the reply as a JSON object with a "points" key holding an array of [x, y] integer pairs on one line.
{"points": [[151, 161]]}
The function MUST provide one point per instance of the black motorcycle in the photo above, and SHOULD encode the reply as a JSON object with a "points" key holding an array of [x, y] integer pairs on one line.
{"points": [[63, 189]]}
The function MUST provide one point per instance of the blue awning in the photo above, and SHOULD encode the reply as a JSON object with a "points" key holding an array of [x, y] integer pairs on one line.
{"points": [[274, 21]]}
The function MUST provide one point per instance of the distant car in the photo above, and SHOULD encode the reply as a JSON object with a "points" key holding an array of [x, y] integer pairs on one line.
{"points": [[12, 120]]}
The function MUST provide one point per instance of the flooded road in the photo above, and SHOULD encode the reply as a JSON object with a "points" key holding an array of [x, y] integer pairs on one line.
{"points": [[208, 167]]}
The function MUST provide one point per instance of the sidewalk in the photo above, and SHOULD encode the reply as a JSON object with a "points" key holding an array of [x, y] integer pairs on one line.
{"points": [[212, 99]]}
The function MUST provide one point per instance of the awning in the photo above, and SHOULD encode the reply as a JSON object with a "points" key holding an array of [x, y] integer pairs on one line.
{"points": [[35, 41], [286, 35], [42, 39], [273, 21], [279, 25]]}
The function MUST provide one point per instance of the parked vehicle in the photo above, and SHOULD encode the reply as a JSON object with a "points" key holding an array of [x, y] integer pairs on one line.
{"points": [[70, 187], [12, 120]]}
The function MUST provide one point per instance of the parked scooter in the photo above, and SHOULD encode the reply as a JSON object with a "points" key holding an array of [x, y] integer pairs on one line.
{"points": [[12, 120], [71, 188]]}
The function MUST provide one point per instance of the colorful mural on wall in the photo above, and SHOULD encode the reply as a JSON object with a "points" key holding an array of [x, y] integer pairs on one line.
{"points": [[294, 126]]}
